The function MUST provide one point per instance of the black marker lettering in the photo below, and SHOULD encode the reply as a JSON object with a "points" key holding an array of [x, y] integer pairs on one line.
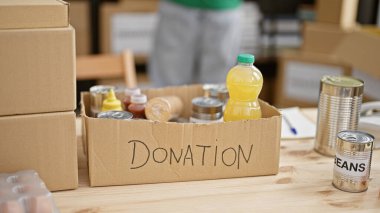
{"points": [[191, 155], [154, 152], [230, 148], [203, 154], [172, 154], [134, 153], [240, 150], [216, 154]]}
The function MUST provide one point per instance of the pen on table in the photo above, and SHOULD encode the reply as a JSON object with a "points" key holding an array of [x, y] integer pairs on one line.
{"points": [[292, 129]]}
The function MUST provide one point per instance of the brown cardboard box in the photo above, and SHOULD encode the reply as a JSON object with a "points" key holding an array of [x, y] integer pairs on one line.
{"points": [[43, 142], [18, 14], [80, 20], [341, 12], [361, 49], [322, 37], [37, 70], [299, 77], [142, 151], [128, 25]]}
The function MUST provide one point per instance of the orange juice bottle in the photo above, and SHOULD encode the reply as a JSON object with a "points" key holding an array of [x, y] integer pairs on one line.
{"points": [[244, 83]]}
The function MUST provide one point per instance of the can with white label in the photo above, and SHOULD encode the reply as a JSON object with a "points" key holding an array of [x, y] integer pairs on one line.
{"points": [[339, 106], [352, 163]]}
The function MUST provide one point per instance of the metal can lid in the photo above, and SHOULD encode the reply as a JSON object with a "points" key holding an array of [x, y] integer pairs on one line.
{"points": [[207, 105], [342, 86], [342, 81], [101, 89], [118, 115], [218, 91], [355, 137]]}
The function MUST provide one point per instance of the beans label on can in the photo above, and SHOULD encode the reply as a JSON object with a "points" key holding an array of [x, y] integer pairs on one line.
{"points": [[352, 163]]}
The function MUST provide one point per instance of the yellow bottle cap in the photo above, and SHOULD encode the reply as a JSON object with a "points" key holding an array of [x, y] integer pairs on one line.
{"points": [[111, 102]]}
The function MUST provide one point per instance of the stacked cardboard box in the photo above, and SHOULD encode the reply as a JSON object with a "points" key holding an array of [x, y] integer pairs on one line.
{"points": [[37, 63], [300, 72], [80, 20]]}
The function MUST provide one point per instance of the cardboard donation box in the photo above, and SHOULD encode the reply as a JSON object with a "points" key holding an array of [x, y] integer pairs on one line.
{"points": [[42, 142], [361, 49], [300, 74], [142, 151]]}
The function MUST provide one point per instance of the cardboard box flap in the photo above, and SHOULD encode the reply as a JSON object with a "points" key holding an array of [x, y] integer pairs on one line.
{"points": [[19, 14], [362, 50]]}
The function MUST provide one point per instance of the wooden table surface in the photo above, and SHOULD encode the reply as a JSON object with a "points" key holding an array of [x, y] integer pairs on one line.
{"points": [[302, 185]]}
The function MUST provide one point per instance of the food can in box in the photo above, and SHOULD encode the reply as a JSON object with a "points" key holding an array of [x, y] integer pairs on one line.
{"points": [[117, 115], [339, 106], [98, 94], [353, 161], [206, 110]]}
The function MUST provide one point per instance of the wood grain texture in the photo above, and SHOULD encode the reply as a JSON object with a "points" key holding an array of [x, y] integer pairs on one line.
{"points": [[302, 185]]}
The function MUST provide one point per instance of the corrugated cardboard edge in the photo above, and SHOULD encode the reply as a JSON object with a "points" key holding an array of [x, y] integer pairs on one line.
{"points": [[88, 121]]}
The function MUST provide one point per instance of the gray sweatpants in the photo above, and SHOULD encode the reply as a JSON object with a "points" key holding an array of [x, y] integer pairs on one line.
{"points": [[194, 45]]}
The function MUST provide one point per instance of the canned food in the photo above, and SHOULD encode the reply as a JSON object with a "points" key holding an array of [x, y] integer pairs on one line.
{"points": [[352, 161], [98, 94], [339, 105], [217, 91], [206, 110], [118, 115]]}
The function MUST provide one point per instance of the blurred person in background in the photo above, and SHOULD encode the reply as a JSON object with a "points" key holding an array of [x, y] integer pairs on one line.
{"points": [[196, 41]]}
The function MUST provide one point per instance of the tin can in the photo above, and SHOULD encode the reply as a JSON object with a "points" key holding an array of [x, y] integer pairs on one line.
{"points": [[217, 91], [206, 110], [118, 115], [353, 161], [339, 106], [98, 94]]}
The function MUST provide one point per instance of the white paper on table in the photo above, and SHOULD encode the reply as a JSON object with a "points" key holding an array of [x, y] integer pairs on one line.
{"points": [[305, 128]]}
